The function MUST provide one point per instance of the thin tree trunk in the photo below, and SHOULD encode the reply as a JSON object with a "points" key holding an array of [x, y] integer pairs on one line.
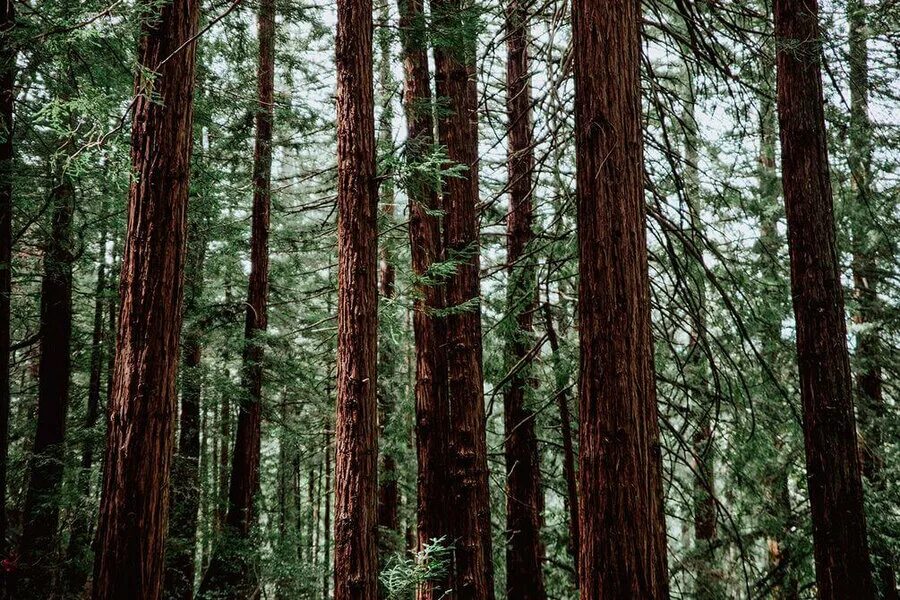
{"points": [[866, 282], [234, 573], [7, 107], [186, 482], [432, 425], [134, 508], [622, 524], [524, 496], [40, 551], [221, 496], [565, 424], [841, 551], [468, 504], [356, 494], [327, 570]]}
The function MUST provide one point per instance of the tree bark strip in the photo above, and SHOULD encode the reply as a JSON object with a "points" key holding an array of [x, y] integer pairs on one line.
{"points": [[841, 550], [134, 506], [524, 496], [622, 524], [356, 493]]}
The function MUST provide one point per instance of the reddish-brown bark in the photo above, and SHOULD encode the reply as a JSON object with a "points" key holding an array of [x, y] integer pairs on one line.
{"points": [[39, 550], [355, 508], [134, 506], [7, 103], [524, 496], [233, 573], [623, 546], [426, 246], [468, 503], [840, 547]]}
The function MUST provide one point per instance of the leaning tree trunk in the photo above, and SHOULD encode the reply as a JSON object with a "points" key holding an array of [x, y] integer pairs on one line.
{"points": [[7, 104], [40, 547], [355, 508], [623, 544], [186, 485], [468, 502], [866, 280], [833, 474], [432, 414], [232, 570], [524, 496], [134, 506]]}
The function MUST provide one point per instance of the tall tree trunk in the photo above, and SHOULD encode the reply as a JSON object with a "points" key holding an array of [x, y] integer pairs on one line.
{"points": [[234, 573], [524, 496], [7, 106], [78, 560], [468, 508], [327, 570], [866, 280], [355, 509], [134, 508], [186, 483], [565, 425], [389, 353], [833, 473], [432, 424], [40, 550], [623, 544]]}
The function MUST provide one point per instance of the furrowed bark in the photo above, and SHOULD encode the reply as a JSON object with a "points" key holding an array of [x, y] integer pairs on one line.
{"points": [[840, 546], [622, 524], [524, 496], [356, 493], [134, 507]]}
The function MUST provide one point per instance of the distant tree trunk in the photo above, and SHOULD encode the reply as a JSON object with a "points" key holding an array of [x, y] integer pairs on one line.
{"points": [[186, 483], [7, 106], [524, 496], [221, 496], [623, 544], [389, 353], [426, 246], [40, 550], [327, 571], [234, 572], [833, 475], [565, 424], [134, 508], [356, 493], [866, 280], [78, 561], [468, 504]]}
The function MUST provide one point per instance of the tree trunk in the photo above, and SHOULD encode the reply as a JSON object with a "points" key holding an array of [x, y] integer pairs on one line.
{"points": [[622, 524], [565, 425], [40, 550], [186, 482], [833, 473], [7, 106], [134, 507], [233, 571], [78, 559], [356, 494], [327, 571], [524, 496], [426, 247], [468, 503]]}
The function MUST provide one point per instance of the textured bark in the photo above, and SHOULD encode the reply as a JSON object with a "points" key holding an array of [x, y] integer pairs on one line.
{"points": [[832, 464], [467, 501], [355, 509], [232, 571], [40, 550], [7, 103], [134, 506], [524, 496], [623, 546], [432, 426], [186, 483], [565, 425]]}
